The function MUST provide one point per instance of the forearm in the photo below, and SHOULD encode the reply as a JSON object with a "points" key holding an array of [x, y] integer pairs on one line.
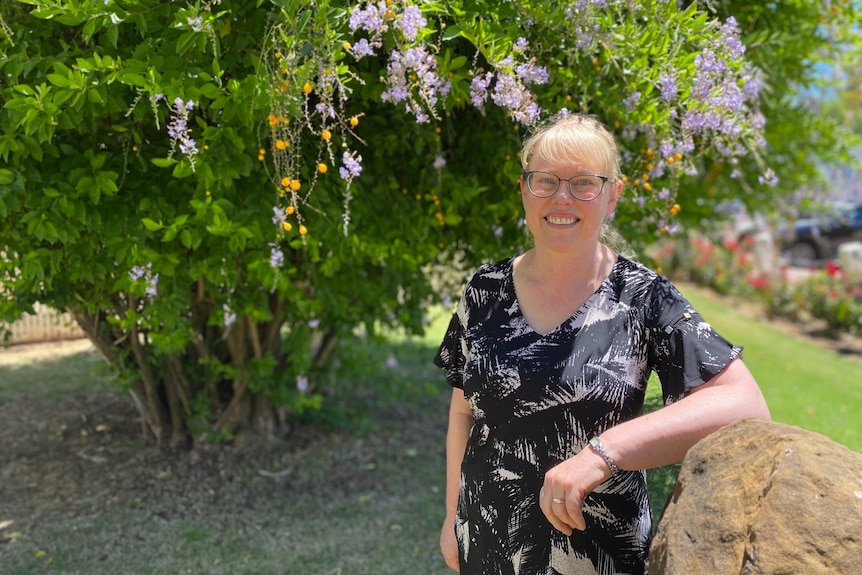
{"points": [[664, 436], [460, 423]]}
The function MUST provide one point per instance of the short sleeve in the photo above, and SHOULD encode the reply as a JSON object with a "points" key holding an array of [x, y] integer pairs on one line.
{"points": [[451, 355], [686, 351]]}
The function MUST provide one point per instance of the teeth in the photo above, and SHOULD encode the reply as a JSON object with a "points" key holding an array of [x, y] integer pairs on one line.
{"points": [[561, 221]]}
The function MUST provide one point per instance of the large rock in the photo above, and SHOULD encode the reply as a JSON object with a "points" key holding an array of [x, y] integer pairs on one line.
{"points": [[763, 498]]}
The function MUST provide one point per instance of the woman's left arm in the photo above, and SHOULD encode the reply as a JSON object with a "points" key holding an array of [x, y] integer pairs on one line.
{"points": [[664, 436], [659, 438]]}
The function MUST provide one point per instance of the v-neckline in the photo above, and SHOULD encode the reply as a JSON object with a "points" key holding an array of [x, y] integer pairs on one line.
{"points": [[513, 293]]}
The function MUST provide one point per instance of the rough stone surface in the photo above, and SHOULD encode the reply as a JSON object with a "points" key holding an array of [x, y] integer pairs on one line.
{"points": [[763, 498]]}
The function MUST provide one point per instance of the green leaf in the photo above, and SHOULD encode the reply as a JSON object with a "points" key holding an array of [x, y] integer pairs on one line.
{"points": [[163, 162], [452, 32], [151, 225], [58, 80], [182, 170]]}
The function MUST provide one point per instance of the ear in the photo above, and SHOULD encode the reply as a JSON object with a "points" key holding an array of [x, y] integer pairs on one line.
{"points": [[614, 196]]}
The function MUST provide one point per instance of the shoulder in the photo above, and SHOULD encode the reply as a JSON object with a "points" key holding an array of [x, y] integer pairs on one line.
{"points": [[491, 276], [635, 279]]}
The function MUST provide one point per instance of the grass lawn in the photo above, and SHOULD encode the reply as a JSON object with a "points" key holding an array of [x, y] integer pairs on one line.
{"points": [[805, 384], [363, 489]]}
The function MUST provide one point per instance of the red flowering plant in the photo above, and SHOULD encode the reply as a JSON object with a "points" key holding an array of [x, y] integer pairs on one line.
{"points": [[834, 297]]}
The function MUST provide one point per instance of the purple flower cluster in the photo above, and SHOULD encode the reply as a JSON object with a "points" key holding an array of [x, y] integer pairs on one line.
{"points": [[178, 129], [278, 216], [362, 48], [510, 81], [276, 256], [352, 166], [669, 88], [369, 18], [479, 88], [415, 69], [730, 37], [631, 100], [146, 273], [768, 178], [410, 22]]}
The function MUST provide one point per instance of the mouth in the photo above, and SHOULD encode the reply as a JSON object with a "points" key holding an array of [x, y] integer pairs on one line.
{"points": [[561, 220]]}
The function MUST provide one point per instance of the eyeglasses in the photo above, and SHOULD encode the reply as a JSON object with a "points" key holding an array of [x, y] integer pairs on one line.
{"points": [[584, 187]]}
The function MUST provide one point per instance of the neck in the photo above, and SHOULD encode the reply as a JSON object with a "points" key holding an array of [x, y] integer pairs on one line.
{"points": [[564, 268]]}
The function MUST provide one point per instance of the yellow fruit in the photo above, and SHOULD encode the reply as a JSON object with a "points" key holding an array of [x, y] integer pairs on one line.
{"points": [[321, 168], [307, 88], [302, 230]]}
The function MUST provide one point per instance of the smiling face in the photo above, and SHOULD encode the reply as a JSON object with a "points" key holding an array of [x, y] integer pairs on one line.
{"points": [[571, 147]]}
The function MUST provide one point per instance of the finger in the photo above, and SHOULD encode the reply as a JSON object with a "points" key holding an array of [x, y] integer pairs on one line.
{"points": [[548, 508], [575, 515]]}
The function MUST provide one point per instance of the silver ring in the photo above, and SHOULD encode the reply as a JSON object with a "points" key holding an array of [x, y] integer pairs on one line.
{"points": [[555, 500]]}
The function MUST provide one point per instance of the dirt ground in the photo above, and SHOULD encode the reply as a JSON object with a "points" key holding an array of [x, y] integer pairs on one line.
{"points": [[62, 466]]}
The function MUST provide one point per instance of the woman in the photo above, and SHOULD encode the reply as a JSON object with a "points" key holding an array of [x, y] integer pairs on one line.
{"points": [[549, 354]]}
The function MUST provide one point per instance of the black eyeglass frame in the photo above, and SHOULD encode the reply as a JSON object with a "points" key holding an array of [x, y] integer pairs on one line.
{"points": [[604, 179]]}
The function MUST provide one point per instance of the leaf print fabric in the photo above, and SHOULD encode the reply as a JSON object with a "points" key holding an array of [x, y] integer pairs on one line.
{"points": [[538, 399]]}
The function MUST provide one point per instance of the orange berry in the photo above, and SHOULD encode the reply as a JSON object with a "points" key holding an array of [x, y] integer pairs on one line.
{"points": [[670, 161], [354, 121], [262, 152], [675, 209], [278, 55], [678, 156], [346, 46], [322, 168], [647, 187], [295, 185], [302, 230], [281, 144], [649, 153], [287, 227], [285, 182], [289, 210], [307, 88], [273, 120], [326, 135]]}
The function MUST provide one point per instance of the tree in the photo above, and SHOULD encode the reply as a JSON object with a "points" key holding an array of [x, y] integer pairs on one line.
{"points": [[219, 189]]}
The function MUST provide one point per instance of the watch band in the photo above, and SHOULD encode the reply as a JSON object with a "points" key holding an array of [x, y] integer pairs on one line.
{"points": [[597, 446]]}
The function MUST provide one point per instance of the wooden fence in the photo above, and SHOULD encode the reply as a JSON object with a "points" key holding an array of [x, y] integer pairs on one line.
{"points": [[45, 325]]}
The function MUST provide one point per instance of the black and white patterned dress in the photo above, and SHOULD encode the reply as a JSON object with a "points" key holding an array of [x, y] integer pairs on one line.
{"points": [[538, 399]]}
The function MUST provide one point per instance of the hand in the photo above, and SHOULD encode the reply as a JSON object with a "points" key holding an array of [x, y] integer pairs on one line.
{"points": [[449, 545], [570, 482]]}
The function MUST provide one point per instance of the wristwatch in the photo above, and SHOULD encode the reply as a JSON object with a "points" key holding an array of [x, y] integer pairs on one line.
{"points": [[597, 446]]}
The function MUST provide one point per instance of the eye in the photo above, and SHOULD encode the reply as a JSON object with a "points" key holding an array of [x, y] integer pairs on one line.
{"points": [[584, 182]]}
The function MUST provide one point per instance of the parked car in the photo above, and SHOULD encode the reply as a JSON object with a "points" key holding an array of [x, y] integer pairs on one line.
{"points": [[815, 239]]}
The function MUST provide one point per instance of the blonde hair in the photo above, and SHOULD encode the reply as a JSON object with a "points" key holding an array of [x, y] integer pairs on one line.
{"points": [[574, 136]]}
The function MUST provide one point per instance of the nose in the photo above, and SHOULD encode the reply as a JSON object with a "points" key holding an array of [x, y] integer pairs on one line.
{"points": [[563, 195]]}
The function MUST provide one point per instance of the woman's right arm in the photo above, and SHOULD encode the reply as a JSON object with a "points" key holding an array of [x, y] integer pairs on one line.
{"points": [[460, 423]]}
